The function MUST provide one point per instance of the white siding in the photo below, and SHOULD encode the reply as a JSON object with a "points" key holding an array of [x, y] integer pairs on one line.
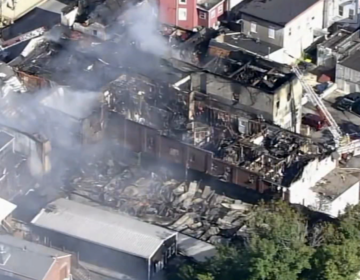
{"points": [[233, 3], [300, 191], [298, 34], [350, 197]]}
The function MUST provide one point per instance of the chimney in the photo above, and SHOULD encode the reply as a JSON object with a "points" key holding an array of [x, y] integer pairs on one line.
{"points": [[4, 254]]}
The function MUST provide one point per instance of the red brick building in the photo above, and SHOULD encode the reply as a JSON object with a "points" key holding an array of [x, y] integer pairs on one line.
{"points": [[188, 14]]}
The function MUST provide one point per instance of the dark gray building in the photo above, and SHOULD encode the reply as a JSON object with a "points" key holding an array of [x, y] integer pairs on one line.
{"points": [[116, 242]]}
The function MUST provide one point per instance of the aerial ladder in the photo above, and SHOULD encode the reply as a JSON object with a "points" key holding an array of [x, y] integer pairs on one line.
{"points": [[321, 108], [343, 142], [22, 38]]}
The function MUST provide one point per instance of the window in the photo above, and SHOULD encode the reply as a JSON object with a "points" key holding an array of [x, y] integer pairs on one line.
{"points": [[182, 14], [182, 1], [202, 15], [278, 104], [212, 15], [271, 32], [351, 14], [289, 31], [220, 9], [253, 27], [341, 10], [95, 32]]}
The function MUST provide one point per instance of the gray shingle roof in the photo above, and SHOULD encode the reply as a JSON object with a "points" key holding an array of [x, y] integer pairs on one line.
{"points": [[33, 262], [276, 11], [101, 227]]}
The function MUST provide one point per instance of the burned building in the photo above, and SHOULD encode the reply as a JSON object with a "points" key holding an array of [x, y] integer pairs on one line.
{"points": [[250, 83], [123, 244], [198, 131], [81, 124], [63, 63]]}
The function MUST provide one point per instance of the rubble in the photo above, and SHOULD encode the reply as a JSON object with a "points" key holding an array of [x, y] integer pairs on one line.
{"points": [[188, 208]]}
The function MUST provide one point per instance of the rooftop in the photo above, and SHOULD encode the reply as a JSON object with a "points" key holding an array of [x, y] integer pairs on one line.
{"points": [[337, 38], [208, 4], [28, 259], [336, 183], [248, 69], [352, 61], [6, 208], [101, 227], [62, 62], [5, 138], [268, 10], [241, 41]]}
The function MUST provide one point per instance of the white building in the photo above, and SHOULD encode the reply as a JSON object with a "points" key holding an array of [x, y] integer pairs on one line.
{"points": [[287, 25], [324, 187]]}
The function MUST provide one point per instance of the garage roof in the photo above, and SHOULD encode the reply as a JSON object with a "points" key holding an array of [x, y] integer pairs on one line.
{"points": [[102, 227]]}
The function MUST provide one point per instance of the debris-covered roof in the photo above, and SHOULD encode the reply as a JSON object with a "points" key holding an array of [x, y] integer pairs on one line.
{"points": [[208, 4], [61, 63], [101, 227], [336, 183]]}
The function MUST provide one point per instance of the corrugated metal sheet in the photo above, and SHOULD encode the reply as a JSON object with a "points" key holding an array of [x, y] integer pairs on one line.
{"points": [[103, 228]]}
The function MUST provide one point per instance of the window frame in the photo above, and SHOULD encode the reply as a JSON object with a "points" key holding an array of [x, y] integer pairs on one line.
{"points": [[351, 14], [202, 15], [213, 14], [182, 2], [253, 26], [220, 9], [341, 11], [180, 13], [271, 29]]}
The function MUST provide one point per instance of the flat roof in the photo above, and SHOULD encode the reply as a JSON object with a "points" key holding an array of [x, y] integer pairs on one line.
{"points": [[337, 38], [352, 61], [336, 183], [5, 138], [112, 230], [208, 4], [249, 44], [6, 208], [279, 12], [28, 259]]}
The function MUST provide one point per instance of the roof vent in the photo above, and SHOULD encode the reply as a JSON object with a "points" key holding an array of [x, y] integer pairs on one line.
{"points": [[4, 254]]}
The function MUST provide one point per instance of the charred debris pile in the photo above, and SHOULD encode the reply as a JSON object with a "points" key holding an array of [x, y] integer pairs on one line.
{"points": [[155, 105], [275, 154], [189, 208], [249, 70]]}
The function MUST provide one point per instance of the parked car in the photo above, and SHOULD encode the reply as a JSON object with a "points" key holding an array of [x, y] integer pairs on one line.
{"points": [[346, 103], [313, 121]]}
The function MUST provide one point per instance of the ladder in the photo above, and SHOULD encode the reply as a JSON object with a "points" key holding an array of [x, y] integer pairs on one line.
{"points": [[22, 38], [316, 101]]}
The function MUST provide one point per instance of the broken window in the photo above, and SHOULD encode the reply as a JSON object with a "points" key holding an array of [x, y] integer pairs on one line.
{"points": [[251, 179], [289, 96], [278, 104], [150, 142]]}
